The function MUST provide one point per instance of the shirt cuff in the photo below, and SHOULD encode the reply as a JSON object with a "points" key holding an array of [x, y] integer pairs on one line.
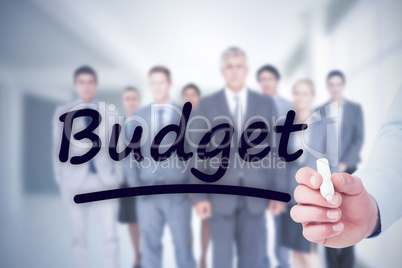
{"points": [[376, 232]]}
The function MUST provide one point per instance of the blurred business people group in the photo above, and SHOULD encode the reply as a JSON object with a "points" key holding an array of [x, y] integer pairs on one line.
{"points": [[236, 226]]}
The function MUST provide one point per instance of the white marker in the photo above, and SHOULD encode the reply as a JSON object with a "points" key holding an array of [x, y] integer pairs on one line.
{"points": [[326, 188]]}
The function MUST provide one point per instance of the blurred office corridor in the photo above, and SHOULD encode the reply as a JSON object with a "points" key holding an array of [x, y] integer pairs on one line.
{"points": [[42, 42]]}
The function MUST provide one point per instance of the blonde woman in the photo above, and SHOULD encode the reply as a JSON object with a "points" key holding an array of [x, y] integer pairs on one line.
{"points": [[314, 142]]}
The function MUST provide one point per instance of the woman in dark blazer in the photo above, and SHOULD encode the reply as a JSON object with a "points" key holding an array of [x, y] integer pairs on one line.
{"points": [[127, 210], [313, 141]]}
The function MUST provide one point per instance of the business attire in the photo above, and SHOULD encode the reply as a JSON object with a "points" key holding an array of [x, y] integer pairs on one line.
{"points": [[283, 105], [154, 212], [236, 219], [98, 174], [127, 206], [281, 253], [381, 175], [349, 116], [316, 142]]}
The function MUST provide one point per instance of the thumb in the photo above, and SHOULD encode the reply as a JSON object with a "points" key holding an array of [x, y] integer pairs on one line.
{"points": [[347, 184]]}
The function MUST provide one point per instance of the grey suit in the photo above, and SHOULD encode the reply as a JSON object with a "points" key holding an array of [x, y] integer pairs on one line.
{"points": [[317, 139], [74, 176], [283, 105], [282, 254], [74, 179], [352, 133], [350, 144], [237, 219], [156, 211]]}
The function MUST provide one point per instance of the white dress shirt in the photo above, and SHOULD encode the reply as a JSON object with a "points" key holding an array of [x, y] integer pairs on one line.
{"points": [[241, 96], [336, 112], [382, 174], [239, 100], [167, 114]]}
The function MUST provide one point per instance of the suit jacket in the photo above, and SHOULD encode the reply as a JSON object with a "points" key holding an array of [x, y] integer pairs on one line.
{"points": [[317, 142], [149, 171], [352, 133], [73, 176], [283, 105], [239, 172]]}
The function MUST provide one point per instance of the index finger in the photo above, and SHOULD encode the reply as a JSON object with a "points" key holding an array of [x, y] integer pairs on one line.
{"points": [[309, 177], [347, 184]]}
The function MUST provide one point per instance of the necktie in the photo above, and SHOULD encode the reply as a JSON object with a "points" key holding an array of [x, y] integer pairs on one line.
{"points": [[237, 116], [160, 111], [236, 112], [92, 168]]}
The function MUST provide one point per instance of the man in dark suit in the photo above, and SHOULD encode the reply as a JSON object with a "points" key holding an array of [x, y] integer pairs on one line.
{"points": [[349, 116], [236, 220]]}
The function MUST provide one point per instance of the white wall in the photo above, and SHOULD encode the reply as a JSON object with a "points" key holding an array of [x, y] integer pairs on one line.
{"points": [[367, 45]]}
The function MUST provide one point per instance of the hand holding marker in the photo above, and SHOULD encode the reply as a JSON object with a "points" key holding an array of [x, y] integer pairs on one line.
{"points": [[333, 219]]}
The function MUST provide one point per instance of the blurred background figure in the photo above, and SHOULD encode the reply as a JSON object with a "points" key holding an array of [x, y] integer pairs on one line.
{"points": [[312, 140], [236, 222], [131, 100], [349, 116], [127, 209], [268, 78], [350, 120], [156, 212], [98, 174], [191, 93]]}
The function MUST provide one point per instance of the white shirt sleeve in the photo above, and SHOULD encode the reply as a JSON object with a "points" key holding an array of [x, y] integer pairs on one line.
{"points": [[382, 174]]}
